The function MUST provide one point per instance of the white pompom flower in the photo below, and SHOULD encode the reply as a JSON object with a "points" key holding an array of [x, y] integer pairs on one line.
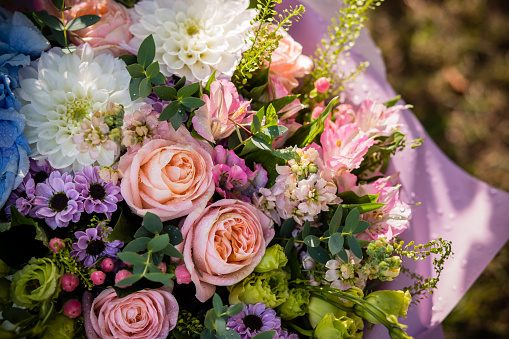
{"points": [[193, 38], [61, 91]]}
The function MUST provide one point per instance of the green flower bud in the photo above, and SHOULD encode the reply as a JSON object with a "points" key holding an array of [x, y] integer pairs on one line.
{"points": [[359, 323], [270, 288], [398, 333], [318, 308], [274, 258], [393, 304], [61, 327], [296, 305], [332, 327], [36, 282], [5, 300]]}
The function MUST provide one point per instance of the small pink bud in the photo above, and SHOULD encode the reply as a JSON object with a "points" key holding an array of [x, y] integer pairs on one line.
{"points": [[72, 308], [107, 265], [162, 267], [98, 277], [122, 275], [182, 274], [70, 282], [56, 244], [322, 84]]}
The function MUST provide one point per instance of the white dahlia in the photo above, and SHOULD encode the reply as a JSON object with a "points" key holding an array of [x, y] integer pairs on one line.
{"points": [[63, 90], [193, 38]]}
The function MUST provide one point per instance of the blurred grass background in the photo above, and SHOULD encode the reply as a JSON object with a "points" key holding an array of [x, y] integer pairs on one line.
{"points": [[450, 59]]}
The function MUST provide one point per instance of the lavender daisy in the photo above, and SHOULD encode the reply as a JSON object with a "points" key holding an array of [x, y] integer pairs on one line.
{"points": [[98, 196], [92, 245], [254, 319], [57, 201], [22, 197], [40, 170]]}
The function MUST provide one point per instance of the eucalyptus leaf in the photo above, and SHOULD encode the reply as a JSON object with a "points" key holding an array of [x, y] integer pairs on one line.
{"points": [[350, 197], [159, 79], [319, 254], [145, 88], [131, 258], [49, 20], [361, 227], [129, 280], [336, 220], [192, 102], [342, 255], [152, 223], [274, 131], [336, 242], [265, 335], [135, 70], [287, 228], [82, 22], [289, 246], [312, 241], [280, 103], [352, 220], [153, 70], [188, 90], [171, 251], [306, 230], [177, 119], [142, 232], [261, 144], [134, 88], [163, 278], [147, 51], [129, 59], [158, 243], [169, 111], [174, 233], [354, 246], [217, 303], [124, 230], [180, 83], [235, 309], [220, 325], [256, 126], [166, 93], [137, 245], [363, 208], [59, 4]]}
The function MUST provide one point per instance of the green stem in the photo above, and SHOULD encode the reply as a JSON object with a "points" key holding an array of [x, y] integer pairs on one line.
{"points": [[302, 331]]}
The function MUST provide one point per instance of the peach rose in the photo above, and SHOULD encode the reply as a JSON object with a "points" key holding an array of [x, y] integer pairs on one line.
{"points": [[147, 314], [169, 178], [223, 244], [288, 63]]}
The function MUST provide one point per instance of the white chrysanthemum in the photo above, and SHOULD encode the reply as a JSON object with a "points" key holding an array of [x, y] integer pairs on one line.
{"points": [[193, 38], [61, 90]]}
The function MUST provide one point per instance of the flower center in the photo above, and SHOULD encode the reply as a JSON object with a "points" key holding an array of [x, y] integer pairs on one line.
{"points": [[32, 285], [40, 177], [97, 191], [95, 247], [58, 202], [253, 322], [78, 109], [191, 28]]}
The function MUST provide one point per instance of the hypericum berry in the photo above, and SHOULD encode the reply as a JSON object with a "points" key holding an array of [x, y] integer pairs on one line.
{"points": [[72, 308], [56, 244], [70, 282], [98, 277], [122, 275], [107, 265]]}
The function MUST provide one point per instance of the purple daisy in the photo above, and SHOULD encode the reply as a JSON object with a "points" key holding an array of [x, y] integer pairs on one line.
{"points": [[40, 170], [98, 196], [254, 319], [57, 201], [92, 245]]}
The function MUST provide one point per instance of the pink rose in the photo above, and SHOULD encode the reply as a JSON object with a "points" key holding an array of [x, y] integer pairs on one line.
{"points": [[288, 63], [108, 34], [144, 314], [223, 244], [169, 178]]}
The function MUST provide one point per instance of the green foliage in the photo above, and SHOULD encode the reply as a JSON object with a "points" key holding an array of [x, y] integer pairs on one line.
{"points": [[187, 326], [264, 38], [378, 155], [216, 318], [64, 259]]}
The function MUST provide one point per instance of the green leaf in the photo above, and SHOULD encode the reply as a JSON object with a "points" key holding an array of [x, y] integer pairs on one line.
{"points": [[159, 79], [392, 102], [352, 220], [319, 254], [157, 257], [336, 243], [268, 160], [129, 280], [350, 197], [15, 315], [174, 233], [265, 335], [163, 278], [289, 246], [135, 70], [312, 241], [274, 131], [306, 230], [256, 126], [166, 93], [287, 228], [124, 230], [177, 119], [49, 20], [235, 309], [260, 114], [178, 335], [336, 220], [180, 83], [220, 325], [211, 80], [280, 103], [270, 116], [210, 319], [142, 232], [147, 51], [188, 90], [153, 70], [257, 84], [342, 255], [217, 303], [134, 88], [131, 258], [82, 22], [137, 245], [207, 333], [361, 227], [261, 144], [169, 111], [363, 208], [159, 243], [59, 4], [152, 223], [285, 153], [18, 219], [354, 246], [171, 251], [192, 102], [128, 59], [307, 133], [145, 88]]}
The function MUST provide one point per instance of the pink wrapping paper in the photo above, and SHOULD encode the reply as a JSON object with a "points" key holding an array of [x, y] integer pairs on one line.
{"points": [[454, 205]]}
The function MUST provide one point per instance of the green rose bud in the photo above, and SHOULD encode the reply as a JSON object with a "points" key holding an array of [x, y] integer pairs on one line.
{"points": [[393, 304], [296, 305], [332, 327], [61, 327], [269, 288], [36, 282], [318, 308], [274, 258]]}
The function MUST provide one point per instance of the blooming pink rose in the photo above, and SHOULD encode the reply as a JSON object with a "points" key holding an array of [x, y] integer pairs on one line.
{"points": [[147, 314], [169, 178], [288, 63], [216, 119], [223, 244]]}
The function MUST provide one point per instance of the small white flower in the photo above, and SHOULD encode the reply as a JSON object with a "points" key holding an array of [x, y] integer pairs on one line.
{"points": [[193, 38]]}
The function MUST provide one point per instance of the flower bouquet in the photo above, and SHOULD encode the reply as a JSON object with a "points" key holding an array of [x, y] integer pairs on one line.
{"points": [[180, 169]]}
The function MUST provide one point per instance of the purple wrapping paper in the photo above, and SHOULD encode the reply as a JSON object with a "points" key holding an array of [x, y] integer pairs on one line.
{"points": [[454, 205]]}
